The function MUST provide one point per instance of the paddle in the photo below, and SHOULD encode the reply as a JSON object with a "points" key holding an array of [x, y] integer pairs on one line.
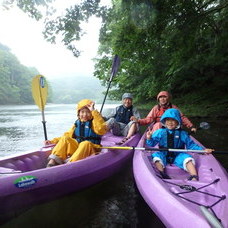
{"points": [[210, 217], [203, 125], [115, 66], [39, 93], [160, 149]]}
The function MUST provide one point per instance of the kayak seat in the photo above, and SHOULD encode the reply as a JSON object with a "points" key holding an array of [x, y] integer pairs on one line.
{"points": [[9, 165], [20, 165], [26, 163], [29, 163], [176, 172], [171, 170], [38, 162]]}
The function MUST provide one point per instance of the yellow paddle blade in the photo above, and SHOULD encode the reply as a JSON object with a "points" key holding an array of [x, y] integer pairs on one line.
{"points": [[39, 91]]}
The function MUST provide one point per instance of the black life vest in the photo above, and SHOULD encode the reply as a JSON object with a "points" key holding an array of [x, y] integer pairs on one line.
{"points": [[123, 114], [83, 131], [173, 141]]}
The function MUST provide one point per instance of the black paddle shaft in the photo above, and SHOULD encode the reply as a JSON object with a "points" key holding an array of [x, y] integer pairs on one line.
{"points": [[115, 66]]}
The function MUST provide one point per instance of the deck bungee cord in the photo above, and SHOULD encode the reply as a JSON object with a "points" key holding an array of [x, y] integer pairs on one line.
{"points": [[190, 189]]}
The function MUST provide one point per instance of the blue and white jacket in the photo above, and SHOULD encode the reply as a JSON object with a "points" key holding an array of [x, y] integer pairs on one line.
{"points": [[181, 138]]}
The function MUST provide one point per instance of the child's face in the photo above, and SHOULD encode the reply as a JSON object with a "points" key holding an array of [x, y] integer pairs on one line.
{"points": [[170, 123], [85, 114]]}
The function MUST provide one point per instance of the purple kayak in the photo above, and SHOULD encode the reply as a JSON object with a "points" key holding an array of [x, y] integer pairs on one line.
{"points": [[25, 181], [179, 202]]}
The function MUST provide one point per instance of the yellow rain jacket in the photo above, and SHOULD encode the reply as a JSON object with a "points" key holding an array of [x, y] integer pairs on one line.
{"points": [[67, 146]]}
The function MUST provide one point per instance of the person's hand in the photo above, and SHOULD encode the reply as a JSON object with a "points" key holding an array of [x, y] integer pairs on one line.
{"points": [[193, 129], [91, 106], [148, 134], [47, 142], [208, 151], [133, 118]]}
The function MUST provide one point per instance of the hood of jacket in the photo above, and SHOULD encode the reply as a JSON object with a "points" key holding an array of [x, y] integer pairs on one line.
{"points": [[83, 103], [172, 113], [164, 93]]}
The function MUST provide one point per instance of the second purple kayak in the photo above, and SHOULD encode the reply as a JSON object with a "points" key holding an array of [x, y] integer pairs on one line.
{"points": [[179, 202]]}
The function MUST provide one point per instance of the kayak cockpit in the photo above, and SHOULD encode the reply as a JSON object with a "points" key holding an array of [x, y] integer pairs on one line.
{"points": [[23, 163]]}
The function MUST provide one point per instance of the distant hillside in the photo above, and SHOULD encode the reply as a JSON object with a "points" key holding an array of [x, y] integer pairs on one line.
{"points": [[72, 89], [15, 79]]}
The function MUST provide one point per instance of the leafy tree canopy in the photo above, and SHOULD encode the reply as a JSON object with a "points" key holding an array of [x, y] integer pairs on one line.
{"points": [[180, 46]]}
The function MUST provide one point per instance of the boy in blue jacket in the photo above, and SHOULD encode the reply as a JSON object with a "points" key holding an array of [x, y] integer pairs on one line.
{"points": [[172, 136]]}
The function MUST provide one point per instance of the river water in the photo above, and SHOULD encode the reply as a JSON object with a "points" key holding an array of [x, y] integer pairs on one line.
{"points": [[114, 202]]}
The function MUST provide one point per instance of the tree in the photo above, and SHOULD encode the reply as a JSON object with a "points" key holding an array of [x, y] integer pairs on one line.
{"points": [[180, 46], [15, 79], [163, 46]]}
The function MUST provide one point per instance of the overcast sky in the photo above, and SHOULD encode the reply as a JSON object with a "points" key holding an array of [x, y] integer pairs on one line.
{"points": [[23, 36]]}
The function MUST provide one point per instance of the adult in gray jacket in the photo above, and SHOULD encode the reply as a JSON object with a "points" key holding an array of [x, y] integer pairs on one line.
{"points": [[121, 122]]}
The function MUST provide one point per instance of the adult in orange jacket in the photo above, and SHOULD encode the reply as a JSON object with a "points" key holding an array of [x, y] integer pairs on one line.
{"points": [[157, 111]]}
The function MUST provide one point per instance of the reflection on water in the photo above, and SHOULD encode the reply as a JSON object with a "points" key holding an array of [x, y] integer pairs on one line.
{"points": [[115, 202]]}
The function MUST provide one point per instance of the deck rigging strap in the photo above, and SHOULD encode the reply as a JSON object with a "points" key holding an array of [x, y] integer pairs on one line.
{"points": [[190, 189]]}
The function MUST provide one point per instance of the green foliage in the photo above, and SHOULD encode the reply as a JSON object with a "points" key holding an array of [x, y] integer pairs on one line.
{"points": [[15, 79], [180, 46]]}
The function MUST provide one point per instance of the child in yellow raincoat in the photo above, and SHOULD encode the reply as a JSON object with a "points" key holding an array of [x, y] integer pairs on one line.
{"points": [[83, 139]]}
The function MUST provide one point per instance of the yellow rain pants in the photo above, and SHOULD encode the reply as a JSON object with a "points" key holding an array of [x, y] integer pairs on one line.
{"points": [[69, 147]]}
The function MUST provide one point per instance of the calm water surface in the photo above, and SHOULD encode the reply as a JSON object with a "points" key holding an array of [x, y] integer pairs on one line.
{"points": [[115, 202]]}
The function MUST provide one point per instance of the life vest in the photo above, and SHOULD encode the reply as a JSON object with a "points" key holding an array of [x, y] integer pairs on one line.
{"points": [[161, 111], [83, 131], [172, 141], [123, 114]]}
